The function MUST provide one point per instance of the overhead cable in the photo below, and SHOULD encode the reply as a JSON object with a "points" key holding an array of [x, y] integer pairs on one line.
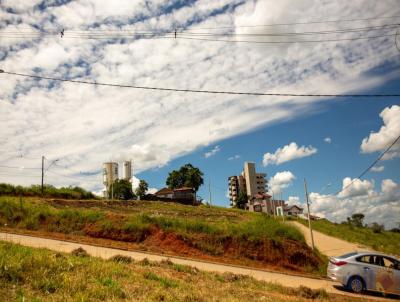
{"points": [[198, 90]]}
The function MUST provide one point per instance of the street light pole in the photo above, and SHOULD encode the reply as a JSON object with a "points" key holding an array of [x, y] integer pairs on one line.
{"points": [[309, 215]]}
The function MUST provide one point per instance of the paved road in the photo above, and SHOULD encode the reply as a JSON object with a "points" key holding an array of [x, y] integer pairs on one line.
{"points": [[103, 252], [330, 246]]}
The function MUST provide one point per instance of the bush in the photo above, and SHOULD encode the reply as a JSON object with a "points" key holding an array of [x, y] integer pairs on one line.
{"points": [[48, 191], [80, 252]]}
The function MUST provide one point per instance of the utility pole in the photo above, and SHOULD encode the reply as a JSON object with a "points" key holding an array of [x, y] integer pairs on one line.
{"points": [[112, 190], [42, 173], [309, 214], [209, 190]]}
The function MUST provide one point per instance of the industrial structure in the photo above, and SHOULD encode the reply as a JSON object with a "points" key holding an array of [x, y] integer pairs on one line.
{"points": [[111, 174], [128, 170], [249, 182]]}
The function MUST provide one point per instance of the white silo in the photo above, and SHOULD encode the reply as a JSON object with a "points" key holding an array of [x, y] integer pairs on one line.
{"points": [[128, 170], [110, 175]]}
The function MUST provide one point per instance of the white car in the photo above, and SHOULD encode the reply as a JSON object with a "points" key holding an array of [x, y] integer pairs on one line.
{"points": [[366, 271]]}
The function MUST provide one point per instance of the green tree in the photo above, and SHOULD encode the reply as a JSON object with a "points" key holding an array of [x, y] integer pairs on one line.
{"points": [[141, 190], [376, 227], [123, 189], [356, 220], [241, 200], [186, 176]]}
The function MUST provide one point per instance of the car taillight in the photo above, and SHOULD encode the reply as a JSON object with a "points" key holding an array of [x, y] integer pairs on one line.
{"points": [[340, 263]]}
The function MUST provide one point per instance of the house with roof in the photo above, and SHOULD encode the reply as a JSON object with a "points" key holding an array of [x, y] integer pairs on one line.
{"points": [[264, 203], [183, 195], [293, 210]]}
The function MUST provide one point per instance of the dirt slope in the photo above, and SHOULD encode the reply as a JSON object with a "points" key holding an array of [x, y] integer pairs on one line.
{"points": [[328, 245]]}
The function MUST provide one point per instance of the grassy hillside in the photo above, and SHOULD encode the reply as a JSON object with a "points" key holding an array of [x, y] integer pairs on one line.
{"points": [[386, 241], [28, 274], [209, 233]]}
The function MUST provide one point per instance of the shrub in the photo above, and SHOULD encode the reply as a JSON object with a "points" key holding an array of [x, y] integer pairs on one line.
{"points": [[121, 259], [80, 252]]}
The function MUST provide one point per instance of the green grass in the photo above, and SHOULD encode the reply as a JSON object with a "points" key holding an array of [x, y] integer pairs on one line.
{"points": [[28, 274], [181, 219], [387, 242], [209, 230]]}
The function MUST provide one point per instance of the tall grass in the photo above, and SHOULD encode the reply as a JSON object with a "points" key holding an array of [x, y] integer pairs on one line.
{"points": [[28, 274]]}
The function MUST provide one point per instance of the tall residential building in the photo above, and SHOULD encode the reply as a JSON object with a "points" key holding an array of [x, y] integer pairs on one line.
{"points": [[110, 174], [250, 182]]}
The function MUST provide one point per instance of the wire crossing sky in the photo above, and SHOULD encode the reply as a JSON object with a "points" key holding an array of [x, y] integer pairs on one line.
{"points": [[202, 91], [305, 89]]}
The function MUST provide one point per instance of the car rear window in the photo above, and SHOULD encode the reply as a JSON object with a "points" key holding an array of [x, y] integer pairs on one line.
{"points": [[347, 255]]}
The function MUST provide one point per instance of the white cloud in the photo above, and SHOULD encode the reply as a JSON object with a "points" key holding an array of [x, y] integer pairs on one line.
{"points": [[288, 153], [357, 188], [382, 207], [152, 190], [327, 140], [135, 182], [381, 140], [212, 152], [87, 125], [280, 181], [234, 157], [293, 200], [378, 168]]}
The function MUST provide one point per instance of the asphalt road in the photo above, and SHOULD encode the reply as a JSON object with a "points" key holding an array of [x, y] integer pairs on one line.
{"points": [[103, 252]]}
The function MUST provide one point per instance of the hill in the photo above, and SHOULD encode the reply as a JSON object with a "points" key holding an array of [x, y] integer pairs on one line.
{"points": [[209, 233], [384, 241]]}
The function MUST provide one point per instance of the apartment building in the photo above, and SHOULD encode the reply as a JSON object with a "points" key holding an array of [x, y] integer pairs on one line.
{"points": [[249, 181]]}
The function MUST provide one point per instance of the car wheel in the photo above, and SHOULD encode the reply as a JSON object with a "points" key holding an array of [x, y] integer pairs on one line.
{"points": [[355, 284]]}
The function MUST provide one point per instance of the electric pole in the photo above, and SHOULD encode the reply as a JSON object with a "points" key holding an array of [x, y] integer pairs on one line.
{"points": [[42, 173], [209, 190], [309, 214]]}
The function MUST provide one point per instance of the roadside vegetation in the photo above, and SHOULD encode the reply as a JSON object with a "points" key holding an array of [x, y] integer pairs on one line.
{"points": [[29, 274], [48, 191], [210, 233], [379, 240]]}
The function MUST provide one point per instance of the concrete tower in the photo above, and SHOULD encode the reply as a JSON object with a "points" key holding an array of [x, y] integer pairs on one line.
{"points": [[128, 170], [110, 175]]}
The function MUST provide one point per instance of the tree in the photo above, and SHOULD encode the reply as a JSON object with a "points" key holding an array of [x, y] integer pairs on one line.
{"points": [[123, 189], [186, 176], [241, 200], [141, 190], [356, 220], [377, 228]]}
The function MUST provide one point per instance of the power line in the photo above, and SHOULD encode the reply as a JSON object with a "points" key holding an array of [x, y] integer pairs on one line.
{"points": [[198, 90], [363, 172], [126, 33], [18, 175], [194, 37], [304, 23], [370, 166], [20, 167], [73, 178], [289, 42]]}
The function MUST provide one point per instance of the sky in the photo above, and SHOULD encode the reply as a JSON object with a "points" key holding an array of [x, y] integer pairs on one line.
{"points": [[327, 141]]}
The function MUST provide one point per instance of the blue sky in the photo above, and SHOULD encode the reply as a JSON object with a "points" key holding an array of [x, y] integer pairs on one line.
{"points": [[86, 125], [341, 120]]}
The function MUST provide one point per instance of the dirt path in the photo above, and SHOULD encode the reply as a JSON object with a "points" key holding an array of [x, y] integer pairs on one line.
{"points": [[103, 252], [330, 246]]}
